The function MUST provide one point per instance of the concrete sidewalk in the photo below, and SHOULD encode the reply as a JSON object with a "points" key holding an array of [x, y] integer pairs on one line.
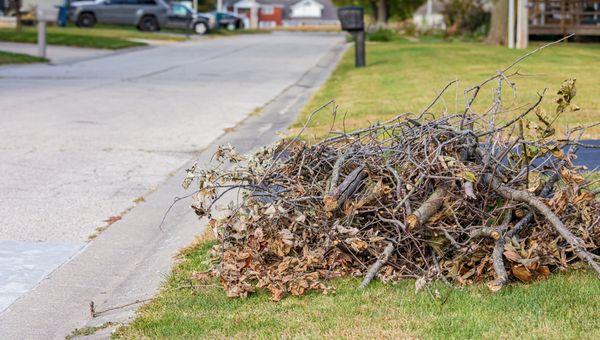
{"points": [[56, 54], [127, 262]]}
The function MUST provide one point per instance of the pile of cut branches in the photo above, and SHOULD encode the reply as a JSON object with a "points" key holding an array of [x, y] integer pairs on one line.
{"points": [[461, 197]]}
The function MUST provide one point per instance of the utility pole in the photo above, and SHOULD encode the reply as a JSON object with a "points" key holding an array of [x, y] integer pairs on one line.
{"points": [[511, 24], [522, 24]]}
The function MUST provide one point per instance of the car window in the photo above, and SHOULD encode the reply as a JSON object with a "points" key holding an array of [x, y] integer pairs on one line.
{"points": [[145, 2], [180, 10]]}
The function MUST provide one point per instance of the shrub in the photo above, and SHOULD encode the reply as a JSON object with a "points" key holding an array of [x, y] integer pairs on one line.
{"points": [[382, 35]]}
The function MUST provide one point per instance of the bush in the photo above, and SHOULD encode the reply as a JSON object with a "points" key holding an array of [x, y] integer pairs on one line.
{"points": [[466, 17], [382, 35]]}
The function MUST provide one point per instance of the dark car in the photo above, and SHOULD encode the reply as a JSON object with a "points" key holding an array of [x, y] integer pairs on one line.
{"points": [[146, 15], [183, 17], [227, 20]]}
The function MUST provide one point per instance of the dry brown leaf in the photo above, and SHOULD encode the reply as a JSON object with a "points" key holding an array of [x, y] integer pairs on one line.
{"points": [[522, 273]]}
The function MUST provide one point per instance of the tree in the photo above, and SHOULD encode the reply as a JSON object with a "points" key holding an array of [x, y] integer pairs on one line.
{"points": [[466, 17], [207, 5], [499, 23], [382, 12], [15, 5]]}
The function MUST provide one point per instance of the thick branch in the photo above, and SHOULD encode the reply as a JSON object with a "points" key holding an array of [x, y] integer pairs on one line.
{"points": [[375, 267], [537, 204], [497, 256], [341, 193], [546, 191], [491, 232], [427, 209]]}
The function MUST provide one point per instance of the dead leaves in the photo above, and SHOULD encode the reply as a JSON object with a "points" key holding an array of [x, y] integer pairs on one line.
{"points": [[525, 261], [303, 214], [565, 94]]}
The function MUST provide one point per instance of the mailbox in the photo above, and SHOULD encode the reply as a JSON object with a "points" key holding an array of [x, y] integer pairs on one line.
{"points": [[351, 18], [44, 15], [47, 14]]}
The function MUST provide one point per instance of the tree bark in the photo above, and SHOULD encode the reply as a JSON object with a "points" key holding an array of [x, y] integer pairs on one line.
{"points": [[498, 257], [427, 209], [374, 10], [339, 194], [382, 13], [15, 5], [499, 23], [383, 258]]}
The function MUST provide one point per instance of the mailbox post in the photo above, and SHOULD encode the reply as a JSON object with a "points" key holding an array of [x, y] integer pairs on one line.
{"points": [[44, 15], [41, 37], [352, 20]]}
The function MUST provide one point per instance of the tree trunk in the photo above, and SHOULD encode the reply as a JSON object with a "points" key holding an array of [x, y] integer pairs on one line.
{"points": [[15, 5], [382, 15], [374, 10], [499, 23]]}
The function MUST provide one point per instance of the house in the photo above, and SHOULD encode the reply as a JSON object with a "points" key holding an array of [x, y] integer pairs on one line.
{"points": [[563, 17], [28, 5], [430, 16], [284, 13]]}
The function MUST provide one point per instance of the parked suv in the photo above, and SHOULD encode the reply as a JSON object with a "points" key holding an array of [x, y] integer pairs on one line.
{"points": [[147, 15]]}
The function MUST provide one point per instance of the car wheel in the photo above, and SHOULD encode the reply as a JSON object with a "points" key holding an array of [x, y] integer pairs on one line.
{"points": [[86, 20], [200, 28], [149, 24], [231, 26]]}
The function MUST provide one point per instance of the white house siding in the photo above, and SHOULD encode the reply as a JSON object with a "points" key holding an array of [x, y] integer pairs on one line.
{"points": [[433, 21], [31, 4], [306, 9]]}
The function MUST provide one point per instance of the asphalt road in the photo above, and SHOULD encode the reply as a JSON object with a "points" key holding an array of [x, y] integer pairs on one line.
{"points": [[589, 157], [82, 142]]}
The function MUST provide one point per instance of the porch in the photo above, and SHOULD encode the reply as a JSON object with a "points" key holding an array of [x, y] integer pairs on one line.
{"points": [[563, 17]]}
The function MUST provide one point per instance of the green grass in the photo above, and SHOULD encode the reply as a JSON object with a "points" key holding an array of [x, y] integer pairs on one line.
{"points": [[103, 36], [16, 58], [403, 76], [565, 306]]}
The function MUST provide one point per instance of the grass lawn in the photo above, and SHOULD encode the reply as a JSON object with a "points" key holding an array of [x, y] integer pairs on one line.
{"points": [[16, 58], [102, 36], [403, 76], [565, 306]]}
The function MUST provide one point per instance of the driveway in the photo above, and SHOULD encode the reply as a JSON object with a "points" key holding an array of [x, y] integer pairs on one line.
{"points": [[83, 143]]}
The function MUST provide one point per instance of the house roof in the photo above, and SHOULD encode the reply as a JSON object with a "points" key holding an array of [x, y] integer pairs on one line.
{"points": [[302, 1], [329, 9]]}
